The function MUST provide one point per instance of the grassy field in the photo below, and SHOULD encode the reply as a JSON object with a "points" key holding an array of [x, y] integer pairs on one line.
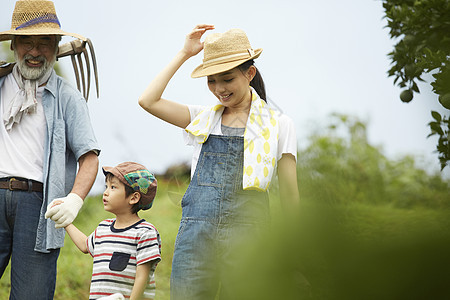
{"points": [[354, 251]]}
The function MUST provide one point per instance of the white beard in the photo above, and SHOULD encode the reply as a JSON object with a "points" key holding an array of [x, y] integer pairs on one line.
{"points": [[33, 73]]}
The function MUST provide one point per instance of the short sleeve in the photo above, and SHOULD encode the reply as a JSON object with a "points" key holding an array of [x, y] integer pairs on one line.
{"points": [[91, 242], [287, 139], [194, 110], [80, 134], [149, 246]]}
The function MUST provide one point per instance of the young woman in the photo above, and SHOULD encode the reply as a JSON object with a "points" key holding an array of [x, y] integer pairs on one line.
{"points": [[238, 144]]}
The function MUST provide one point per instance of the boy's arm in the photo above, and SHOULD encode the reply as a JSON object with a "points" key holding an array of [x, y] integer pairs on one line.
{"points": [[78, 238], [141, 280]]}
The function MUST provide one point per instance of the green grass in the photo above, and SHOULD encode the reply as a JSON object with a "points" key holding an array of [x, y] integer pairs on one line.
{"points": [[352, 251]]}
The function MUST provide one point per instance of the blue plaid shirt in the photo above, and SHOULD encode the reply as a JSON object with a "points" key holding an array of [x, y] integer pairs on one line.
{"points": [[69, 135]]}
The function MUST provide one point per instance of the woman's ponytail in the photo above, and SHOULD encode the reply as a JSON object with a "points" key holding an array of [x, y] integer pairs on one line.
{"points": [[257, 83]]}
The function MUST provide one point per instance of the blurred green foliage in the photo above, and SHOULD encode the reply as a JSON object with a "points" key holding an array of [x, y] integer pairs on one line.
{"points": [[423, 30], [5, 53], [341, 167], [369, 227], [351, 251]]}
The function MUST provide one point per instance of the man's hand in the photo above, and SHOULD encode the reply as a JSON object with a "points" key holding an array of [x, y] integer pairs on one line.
{"points": [[64, 210]]}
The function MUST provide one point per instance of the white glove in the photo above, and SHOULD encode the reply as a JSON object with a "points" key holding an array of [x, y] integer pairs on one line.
{"points": [[64, 213], [116, 296]]}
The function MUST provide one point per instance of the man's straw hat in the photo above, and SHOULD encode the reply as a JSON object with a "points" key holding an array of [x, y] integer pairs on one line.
{"points": [[225, 51], [35, 17]]}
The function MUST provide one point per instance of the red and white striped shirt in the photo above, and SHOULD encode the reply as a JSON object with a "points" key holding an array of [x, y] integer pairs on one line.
{"points": [[116, 254]]}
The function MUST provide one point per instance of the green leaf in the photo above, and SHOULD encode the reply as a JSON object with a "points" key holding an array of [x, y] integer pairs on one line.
{"points": [[415, 87], [437, 116], [436, 128]]}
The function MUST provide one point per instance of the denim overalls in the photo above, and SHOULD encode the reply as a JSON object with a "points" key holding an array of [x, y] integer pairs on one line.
{"points": [[217, 217]]}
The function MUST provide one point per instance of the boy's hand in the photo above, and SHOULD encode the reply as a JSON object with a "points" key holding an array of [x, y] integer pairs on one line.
{"points": [[64, 210], [56, 202]]}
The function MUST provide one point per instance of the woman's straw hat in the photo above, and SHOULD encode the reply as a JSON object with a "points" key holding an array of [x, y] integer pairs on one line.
{"points": [[225, 51], [35, 17]]}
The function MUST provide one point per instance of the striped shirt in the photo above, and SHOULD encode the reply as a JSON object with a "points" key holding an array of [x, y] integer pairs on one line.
{"points": [[116, 254]]}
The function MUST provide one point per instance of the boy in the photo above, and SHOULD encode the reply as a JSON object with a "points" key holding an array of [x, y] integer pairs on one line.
{"points": [[126, 249]]}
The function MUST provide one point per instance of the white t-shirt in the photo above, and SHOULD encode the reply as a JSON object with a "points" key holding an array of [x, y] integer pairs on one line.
{"points": [[287, 138], [22, 148]]}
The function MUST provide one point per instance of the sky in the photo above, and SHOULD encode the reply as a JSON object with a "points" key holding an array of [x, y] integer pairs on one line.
{"points": [[318, 57]]}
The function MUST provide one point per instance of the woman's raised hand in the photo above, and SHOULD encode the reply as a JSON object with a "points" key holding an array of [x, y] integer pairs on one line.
{"points": [[173, 112], [192, 44]]}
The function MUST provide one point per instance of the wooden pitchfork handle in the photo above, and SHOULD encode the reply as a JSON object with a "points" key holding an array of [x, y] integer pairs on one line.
{"points": [[5, 68]]}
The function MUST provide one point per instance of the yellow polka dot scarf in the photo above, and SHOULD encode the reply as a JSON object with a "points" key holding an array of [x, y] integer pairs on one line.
{"points": [[260, 140]]}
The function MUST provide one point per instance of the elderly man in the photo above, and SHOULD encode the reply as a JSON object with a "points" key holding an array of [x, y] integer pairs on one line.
{"points": [[45, 131]]}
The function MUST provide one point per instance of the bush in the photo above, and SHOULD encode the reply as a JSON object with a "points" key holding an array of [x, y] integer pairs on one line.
{"points": [[341, 167]]}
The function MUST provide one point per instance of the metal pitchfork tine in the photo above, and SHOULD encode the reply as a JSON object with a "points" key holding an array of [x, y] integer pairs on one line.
{"points": [[75, 48]]}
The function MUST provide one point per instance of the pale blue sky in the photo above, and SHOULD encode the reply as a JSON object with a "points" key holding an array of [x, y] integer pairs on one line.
{"points": [[319, 57]]}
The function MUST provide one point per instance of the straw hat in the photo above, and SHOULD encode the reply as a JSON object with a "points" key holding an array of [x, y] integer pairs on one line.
{"points": [[225, 51], [35, 17]]}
